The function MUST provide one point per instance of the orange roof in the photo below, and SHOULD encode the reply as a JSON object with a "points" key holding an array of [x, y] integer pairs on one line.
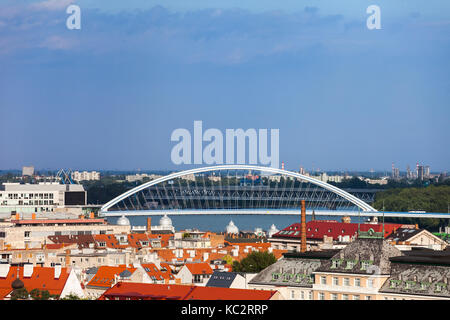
{"points": [[105, 276], [147, 291], [42, 278], [150, 291], [4, 292], [217, 293], [153, 271], [110, 241], [164, 237], [199, 268]]}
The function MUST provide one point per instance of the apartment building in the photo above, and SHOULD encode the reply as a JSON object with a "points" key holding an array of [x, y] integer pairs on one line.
{"points": [[41, 197], [33, 233], [356, 272], [293, 275]]}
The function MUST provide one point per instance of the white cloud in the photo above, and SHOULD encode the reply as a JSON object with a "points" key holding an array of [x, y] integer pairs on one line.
{"points": [[52, 5], [58, 43]]}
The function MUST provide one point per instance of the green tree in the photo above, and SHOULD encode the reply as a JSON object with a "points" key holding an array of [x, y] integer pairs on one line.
{"points": [[37, 294], [19, 294], [254, 262]]}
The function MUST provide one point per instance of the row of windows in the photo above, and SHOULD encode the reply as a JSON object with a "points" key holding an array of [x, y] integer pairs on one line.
{"points": [[30, 196], [350, 264], [335, 296], [346, 282]]}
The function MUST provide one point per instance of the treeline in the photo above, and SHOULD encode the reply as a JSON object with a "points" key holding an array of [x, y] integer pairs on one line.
{"points": [[430, 199]]}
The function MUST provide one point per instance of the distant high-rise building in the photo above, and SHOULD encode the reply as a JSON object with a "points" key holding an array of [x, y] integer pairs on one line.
{"points": [[427, 172], [408, 172], [420, 172], [302, 170], [28, 171], [395, 172]]}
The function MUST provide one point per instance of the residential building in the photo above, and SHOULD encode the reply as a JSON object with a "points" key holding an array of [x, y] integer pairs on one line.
{"points": [[58, 281], [406, 238], [195, 273], [293, 275], [223, 279], [418, 275], [33, 233], [41, 197], [327, 234], [356, 272]]}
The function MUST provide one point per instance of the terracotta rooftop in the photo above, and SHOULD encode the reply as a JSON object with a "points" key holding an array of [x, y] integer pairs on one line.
{"points": [[147, 291]]}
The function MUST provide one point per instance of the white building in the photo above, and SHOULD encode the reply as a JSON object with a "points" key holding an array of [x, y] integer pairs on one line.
{"points": [[85, 175], [42, 197], [141, 176]]}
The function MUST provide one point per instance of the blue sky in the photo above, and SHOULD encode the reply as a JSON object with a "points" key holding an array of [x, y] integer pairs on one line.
{"points": [[109, 95]]}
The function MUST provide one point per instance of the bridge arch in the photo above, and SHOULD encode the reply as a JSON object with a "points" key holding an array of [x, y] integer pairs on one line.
{"points": [[349, 197]]}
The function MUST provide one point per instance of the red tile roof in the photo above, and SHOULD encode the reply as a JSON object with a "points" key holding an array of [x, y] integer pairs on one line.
{"points": [[153, 271], [217, 293], [146, 291], [105, 276], [42, 278], [317, 229], [199, 268]]}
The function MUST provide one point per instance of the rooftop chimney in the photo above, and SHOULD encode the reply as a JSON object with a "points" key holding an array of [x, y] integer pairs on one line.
{"points": [[149, 225], [57, 271], [33, 216], [303, 226], [4, 270], [92, 215], [67, 257], [27, 270]]}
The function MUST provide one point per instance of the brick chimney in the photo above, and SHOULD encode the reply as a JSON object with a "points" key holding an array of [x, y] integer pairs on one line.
{"points": [[149, 225], [33, 216], [91, 215], [67, 257], [303, 227]]}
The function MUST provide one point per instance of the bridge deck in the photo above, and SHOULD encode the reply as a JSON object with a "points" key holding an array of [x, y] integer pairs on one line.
{"points": [[276, 212]]}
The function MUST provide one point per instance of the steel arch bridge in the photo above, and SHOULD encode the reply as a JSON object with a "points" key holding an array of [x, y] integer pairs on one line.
{"points": [[234, 189]]}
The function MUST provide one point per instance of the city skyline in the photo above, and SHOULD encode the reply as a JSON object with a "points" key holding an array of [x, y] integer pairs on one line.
{"points": [[108, 96]]}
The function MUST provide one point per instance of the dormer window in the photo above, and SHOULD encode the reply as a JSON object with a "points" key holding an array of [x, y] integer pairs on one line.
{"points": [[350, 264]]}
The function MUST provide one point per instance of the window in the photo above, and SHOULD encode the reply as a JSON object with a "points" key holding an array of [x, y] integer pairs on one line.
{"points": [[365, 265], [335, 281], [356, 297], [350, 264], [27, 234], [345, 297], [323, 280], [321, 296], [334, 296], [292, 294], [335, 263], [347, 282], [311, 297], [357, 282], [302, 295], [368, 298], [370, 283]]}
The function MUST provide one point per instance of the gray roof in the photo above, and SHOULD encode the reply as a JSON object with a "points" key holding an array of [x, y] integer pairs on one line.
{"points": [[375, 252], [221, 279], [295, 270], [416, 277], [125, 274], [403, 234]]}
